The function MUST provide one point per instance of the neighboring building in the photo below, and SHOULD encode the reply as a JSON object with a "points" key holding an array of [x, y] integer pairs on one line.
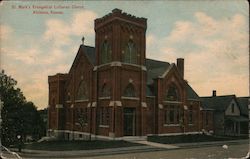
{"points": [[230, 116], [112, 90], [243, 103]]}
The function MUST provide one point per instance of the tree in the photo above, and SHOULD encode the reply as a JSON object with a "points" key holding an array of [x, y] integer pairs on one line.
{"points": [[31, 120], [19, 117]]}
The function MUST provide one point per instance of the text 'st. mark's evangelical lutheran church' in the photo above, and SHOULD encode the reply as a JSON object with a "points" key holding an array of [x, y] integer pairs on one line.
{"points": [[112, 90]]}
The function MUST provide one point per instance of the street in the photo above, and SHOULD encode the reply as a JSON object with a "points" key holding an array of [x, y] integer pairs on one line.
{"points": [[215, 152]]}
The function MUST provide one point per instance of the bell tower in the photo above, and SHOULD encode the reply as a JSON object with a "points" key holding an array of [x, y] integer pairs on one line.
{"points": [[120, 37], [121, 72]]}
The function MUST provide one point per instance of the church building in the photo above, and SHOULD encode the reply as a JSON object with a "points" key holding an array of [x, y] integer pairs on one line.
{"points": [[112, 90]]}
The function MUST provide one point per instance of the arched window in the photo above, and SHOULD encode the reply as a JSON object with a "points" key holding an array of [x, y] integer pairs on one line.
{"points": [[130, 53], [82, 117], [68, 96], [105, 52], [129, 91], [190, 115], [82, 92], [105, 91], [172, 94]]}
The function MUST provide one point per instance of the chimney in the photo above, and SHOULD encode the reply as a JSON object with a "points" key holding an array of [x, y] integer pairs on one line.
{"points": [[180, 66], [214, 93]]}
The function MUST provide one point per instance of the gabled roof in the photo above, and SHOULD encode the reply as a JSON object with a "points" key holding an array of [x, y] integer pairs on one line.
{"points": [[243, 104], [155, 69], [168, 70], [153, 64], [218, 103], [88, 51], [191, 94]]}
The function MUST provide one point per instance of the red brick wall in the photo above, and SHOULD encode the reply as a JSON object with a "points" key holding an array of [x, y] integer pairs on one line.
{"points": [[150, 114], [194, 127], [171, 78], [206, 117], [174, 78], [56, 97], [81, 70]]}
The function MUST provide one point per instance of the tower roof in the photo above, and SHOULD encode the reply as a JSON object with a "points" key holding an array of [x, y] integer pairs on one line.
{"points": [[117, 14]]}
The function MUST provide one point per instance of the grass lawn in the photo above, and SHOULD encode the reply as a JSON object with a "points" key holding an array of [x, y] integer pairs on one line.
{"points": [[189, 138], [77, 145]]}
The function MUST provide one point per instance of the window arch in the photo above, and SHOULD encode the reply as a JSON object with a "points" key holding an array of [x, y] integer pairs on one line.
{"points": [[105, 52], [129, 91], [105, 91], [130, 52], [172, 94], [82, 92]]}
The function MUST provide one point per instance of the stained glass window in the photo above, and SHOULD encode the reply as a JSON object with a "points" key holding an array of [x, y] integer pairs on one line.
{"points": [[68, 96], [82, 116], [82, 92], [105, 91], [172, 94], [130, 54], [105, 52], [190, 116], [129, 91], [104, 116], [172, 114]]}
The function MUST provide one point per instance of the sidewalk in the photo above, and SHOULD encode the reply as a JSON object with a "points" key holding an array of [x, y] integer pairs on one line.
{"points": [[154, 144], [85, 153], [147, 147], [212, 143]]}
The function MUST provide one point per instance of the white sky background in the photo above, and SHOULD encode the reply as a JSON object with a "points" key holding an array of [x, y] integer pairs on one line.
{"points": [[212, 37]]}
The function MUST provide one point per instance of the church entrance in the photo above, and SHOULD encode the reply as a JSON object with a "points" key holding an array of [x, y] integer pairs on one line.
{"points": [[129, 122]]}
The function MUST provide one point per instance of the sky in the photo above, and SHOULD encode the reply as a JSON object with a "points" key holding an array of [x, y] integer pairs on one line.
{"points": [[212, 37]]}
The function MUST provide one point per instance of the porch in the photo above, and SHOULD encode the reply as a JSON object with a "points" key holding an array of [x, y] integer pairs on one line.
{"points": [[236, 126]]}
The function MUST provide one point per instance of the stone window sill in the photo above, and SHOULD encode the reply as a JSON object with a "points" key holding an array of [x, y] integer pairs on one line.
{"points": [[168, 125], [102, 98], [131, 98], [83, 100], [104, 126], [85, 124]]}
